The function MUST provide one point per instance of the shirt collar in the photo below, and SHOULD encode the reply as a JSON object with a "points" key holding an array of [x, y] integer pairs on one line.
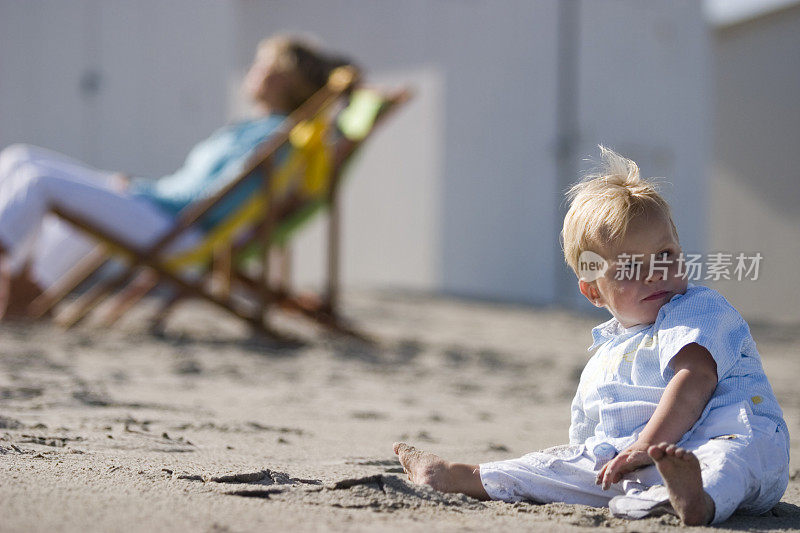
{"points": [[604, 332], [612, 329]]}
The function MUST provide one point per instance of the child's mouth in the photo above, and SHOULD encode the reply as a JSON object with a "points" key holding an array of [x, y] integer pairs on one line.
{"points": [[657, 296]]}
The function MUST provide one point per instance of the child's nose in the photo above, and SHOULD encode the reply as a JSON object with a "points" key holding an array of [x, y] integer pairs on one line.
{"points": [[655, 275]]}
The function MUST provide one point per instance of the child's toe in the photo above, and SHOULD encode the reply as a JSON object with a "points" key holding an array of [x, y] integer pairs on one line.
{"points": [[400, 447], [656, 452]]}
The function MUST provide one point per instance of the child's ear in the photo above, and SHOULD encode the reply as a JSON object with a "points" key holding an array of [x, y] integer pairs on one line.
{"points": [[589, 289]]}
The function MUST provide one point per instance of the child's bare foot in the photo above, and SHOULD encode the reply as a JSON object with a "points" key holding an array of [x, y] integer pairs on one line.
{"points": [[681, 472], [428, 469], [423, 468]]}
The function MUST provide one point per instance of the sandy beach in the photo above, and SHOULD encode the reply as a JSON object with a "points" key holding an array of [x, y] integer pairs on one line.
{"points": [[208, 429]]}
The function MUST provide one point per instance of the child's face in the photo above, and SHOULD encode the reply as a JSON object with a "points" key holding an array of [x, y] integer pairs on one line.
{"points": [[636, 299]]}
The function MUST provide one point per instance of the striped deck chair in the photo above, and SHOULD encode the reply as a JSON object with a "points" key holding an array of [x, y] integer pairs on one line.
{"points": [[301, 166]]}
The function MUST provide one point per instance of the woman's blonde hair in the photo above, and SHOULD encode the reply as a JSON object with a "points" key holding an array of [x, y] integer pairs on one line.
{"points": [[311, 66], [604, 202]]}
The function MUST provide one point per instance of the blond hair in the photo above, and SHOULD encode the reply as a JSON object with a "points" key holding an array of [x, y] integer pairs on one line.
{"points": [[604, 202]]}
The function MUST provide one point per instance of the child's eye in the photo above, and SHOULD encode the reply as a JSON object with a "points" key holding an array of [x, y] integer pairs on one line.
{"points": [[664, 254]]}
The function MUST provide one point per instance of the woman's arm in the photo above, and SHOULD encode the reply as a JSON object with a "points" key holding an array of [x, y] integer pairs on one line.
{"points": [[682, 403]]}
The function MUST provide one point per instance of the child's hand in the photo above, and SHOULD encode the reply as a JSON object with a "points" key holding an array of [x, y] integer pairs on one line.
{"points": [[628, 460]]}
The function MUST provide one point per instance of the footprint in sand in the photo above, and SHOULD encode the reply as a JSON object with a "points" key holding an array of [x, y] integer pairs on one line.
{"points": [[20, 393], [368, 415], [387, 493], [260, 477], [55, 442], [10, 423], [187, 366], [13, 449], [278, 482], [423, 436], [382, 493]]}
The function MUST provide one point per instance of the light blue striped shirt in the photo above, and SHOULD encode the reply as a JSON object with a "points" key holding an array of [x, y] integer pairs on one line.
{"points": [[211, 165], [622, 383]]}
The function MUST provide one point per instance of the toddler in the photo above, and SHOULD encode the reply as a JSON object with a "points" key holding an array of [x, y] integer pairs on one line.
{"points": [[673, 412]]}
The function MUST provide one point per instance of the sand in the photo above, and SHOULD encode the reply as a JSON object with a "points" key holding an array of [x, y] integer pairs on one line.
{"points": [[207, 429]]}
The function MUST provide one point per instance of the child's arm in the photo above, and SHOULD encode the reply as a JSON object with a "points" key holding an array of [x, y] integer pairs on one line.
{"points": [[682, 403]]}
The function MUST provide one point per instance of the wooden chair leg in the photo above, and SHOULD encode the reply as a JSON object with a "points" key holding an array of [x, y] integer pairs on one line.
{"points": [[127, 298], [168, 305], [265, 292], [285, 269], [332, 290], [91, 298], [317, 312], [221, 272], [54, 294]]}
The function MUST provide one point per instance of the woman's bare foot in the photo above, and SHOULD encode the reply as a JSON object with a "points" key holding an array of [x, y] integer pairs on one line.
{"points": [[16, 294], [681, 472], [428, 469]]}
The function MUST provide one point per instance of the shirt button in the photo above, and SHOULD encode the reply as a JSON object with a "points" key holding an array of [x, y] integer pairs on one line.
{"points": [[608, 399], [604, 452]]}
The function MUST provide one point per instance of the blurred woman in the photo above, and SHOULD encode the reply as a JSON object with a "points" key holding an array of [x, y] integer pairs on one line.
{"points": [[36, 248]]}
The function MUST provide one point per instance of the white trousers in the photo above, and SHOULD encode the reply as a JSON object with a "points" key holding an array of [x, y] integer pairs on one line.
{"points": [[744, 464], [33, 180]]}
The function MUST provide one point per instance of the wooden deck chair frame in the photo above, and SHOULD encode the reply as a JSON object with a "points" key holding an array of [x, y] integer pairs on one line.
{"points": [[151, 264]]}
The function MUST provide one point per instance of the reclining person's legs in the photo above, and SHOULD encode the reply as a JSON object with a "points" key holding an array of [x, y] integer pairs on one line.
{"points": [[51, 163], [30, 190], [18, 162]]}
